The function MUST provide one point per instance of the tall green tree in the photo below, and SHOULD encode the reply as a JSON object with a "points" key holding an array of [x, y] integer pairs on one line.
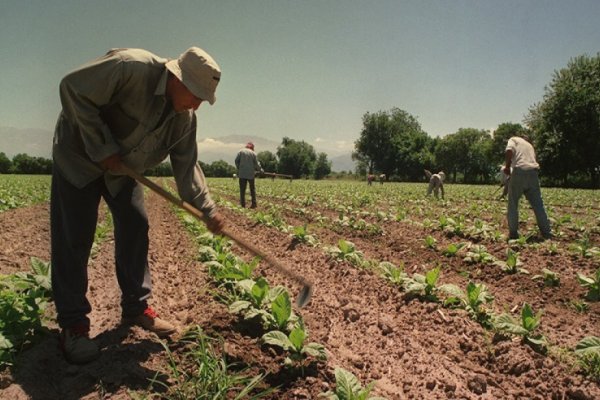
{"points": [[390, 142], [500, 138], [4, 164], [267, 160], [322, 166], [567, 122], [25, 164], [466, 152], [296, 158], [221, 169]]}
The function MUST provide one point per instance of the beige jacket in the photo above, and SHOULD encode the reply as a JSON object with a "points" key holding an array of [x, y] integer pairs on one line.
{"points": [[116, 104]]}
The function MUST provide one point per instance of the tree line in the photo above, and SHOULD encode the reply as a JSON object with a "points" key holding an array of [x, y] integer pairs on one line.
{"points": [[564, 128], [296, 158]]}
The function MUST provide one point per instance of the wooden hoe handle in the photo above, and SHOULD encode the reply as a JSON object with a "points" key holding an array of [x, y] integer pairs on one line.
{"points": [[306, 290]]}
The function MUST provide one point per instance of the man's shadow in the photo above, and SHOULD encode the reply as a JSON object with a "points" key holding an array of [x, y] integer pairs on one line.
{"points": [[42, 372]]}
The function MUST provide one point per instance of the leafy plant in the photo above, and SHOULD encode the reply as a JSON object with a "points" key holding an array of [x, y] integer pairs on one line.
{"points": [[592, 284], [579, 306], [588, 355], [348, 387], [512, 265], [478, 254], [472, 300], [346, 251], [272, 306], [294, 344], [392, 273], [430, 242], [550, 278], [23, 301], [452, 249], [300, 233], [526, 327], [425, 286], [584, 247]]}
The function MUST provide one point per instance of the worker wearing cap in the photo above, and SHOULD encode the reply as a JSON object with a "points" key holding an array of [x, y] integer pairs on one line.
{"points": [[247, 165], [127, 107]]}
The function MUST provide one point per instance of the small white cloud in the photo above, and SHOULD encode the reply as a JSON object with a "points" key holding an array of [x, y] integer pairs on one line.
{"points": [[210, 144]]}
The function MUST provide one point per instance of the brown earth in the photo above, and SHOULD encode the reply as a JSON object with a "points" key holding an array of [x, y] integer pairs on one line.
{"points": [[412, 349]]}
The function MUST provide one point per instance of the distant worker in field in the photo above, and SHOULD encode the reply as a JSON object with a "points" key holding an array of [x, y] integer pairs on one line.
{"points": [[128, 107], [381, 178], [503, 178], [521, 166], [247, 165], [436, 183], [370, 179]]}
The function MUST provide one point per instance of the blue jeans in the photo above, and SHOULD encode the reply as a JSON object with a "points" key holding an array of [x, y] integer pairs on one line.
{"points": [[526, 182], [73, 218]]}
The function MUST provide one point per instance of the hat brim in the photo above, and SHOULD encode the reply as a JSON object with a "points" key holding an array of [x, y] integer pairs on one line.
{"points": [[173, 67]]}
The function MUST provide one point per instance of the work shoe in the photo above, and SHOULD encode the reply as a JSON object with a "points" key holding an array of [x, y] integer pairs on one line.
{"points": [[77, 346], [548, 236], [150, 321]]}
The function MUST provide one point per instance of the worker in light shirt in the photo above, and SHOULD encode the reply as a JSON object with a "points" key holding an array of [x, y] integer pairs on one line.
{"points": [[522, 168]]}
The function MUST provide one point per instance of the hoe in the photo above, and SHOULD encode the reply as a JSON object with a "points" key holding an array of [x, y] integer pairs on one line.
{"points": [[307, 288]]}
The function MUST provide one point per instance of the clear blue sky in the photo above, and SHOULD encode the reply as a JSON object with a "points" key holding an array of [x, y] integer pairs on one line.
{"points": [[310, 69]]}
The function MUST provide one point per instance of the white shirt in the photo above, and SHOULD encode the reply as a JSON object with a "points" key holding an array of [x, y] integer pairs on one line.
{"points": [[523, 154]]}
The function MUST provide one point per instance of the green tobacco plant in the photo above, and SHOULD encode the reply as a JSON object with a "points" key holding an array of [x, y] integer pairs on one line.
{"points": [[294, 344], [525, 328], [588, 356], [346, 251], [430, 242], [392, 273], [550, 278], [300, 234], [473, 300], [452, 249], [592, 284], [512, 265], [228, 268], [348, 387], [23, 301], [425, 286], [584, 247], [271, 306], [478, 254]]}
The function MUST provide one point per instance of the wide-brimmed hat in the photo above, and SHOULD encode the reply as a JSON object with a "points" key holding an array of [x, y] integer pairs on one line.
{"points": [[198, 71]]}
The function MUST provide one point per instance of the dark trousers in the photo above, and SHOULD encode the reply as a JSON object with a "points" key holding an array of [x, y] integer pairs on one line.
{"points": [[73, 218], [243, 183]]}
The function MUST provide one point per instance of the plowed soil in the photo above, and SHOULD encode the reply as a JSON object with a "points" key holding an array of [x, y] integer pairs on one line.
{"points": [[412, 349]]}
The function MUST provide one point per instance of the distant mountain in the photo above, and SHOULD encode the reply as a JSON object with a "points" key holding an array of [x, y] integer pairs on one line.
{"points": [[38, 143], [34, 142], [343, 162]]}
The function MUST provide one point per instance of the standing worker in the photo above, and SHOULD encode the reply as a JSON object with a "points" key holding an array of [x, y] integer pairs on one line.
{"points": [[247, 165], [520, 155], [128, 107]]}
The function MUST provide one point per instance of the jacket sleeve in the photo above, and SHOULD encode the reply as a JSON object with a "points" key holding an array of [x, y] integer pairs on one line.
{"points": [[191, 183], [82, 93]]}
